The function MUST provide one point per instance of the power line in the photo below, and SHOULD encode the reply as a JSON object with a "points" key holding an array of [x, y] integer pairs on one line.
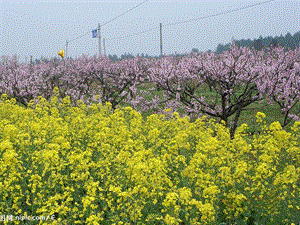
{"points": [[145, 31], [190, 20], [80, 36], [124, 13], [217, 14], [110, 20], [170, 24]]}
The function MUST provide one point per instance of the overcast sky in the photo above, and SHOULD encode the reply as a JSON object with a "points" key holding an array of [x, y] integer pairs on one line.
{"points": [[41, 28]]}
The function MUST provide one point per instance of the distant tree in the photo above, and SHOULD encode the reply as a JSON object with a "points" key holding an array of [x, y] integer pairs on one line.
{"points": [[195, 50], [126, 55], [220, 48], [296, 37], [274, 43], [267, 41], [287, 41], [143, 55], [113, 57], [244, 43], [280, 40], [43, 59], [258, 44]]}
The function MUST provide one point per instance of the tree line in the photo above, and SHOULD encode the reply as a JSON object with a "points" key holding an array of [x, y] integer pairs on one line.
{"points": [[288, 41]]}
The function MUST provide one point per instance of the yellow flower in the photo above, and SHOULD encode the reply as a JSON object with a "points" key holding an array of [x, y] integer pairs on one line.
{"points": [[260, 116], [104, 166], [168, 110]]}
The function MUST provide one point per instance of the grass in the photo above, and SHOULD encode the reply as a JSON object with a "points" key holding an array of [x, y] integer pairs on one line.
{"points": [[247, 116]]}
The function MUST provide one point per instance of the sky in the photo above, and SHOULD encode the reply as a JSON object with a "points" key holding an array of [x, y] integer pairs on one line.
{"points": [[41, 28]]}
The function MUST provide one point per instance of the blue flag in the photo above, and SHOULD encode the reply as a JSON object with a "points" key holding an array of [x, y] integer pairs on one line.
{"points": [[95, 33]]}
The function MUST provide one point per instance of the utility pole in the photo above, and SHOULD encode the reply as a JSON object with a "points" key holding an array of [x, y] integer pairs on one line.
{"points": [[104, 46], [99, 30], [30, 67], [66, 48], [160, 26]]}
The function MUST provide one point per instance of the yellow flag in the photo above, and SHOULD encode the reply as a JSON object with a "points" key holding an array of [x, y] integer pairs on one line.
{"points": [[61, 53]]}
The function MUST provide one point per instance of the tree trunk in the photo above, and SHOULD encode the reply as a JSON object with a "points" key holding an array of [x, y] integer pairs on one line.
{"points": [[234, 126]]}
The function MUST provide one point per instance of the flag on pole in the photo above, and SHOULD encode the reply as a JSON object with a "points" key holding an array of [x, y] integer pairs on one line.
{"points": [[95, 33], [61, 53]]}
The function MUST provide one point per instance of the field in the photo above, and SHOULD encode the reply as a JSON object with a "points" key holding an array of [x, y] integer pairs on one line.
{"points": [[272, 111], [86, 165], [93, 167], [247, 116]]}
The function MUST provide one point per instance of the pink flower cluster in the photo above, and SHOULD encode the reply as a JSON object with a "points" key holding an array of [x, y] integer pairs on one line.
{"points": [[217, 85]]}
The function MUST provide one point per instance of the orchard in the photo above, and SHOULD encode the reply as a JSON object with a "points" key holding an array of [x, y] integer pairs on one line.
{"points": [[216, 85], [152, 141]]}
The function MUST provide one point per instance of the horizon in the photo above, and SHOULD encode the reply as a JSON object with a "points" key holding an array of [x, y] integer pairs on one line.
{"points": [[41, 28]]}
